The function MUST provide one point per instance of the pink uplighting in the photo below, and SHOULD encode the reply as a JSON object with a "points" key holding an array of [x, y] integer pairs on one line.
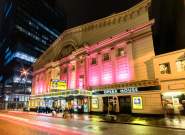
{"points": [[101, 70]]}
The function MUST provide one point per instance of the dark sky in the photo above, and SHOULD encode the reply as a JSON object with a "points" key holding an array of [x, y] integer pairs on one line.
{"points": [[83, 11], [169, 29]]}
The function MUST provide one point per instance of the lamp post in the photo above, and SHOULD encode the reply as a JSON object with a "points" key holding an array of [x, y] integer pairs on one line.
{"points": [[24, 73]]}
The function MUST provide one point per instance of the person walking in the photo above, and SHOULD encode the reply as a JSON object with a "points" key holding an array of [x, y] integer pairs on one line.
{"points": [[65, 112], [71, 112]]}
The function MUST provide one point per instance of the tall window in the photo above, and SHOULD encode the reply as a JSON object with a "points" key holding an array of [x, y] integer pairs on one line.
{"points": [[106, 56], [81, 61], [180, 64], [93, 61], [165, 68], [120, 52], [65, 70], [73, 68]]}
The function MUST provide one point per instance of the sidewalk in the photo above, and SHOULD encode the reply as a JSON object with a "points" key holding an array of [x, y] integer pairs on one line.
{"points": [[177, 122], [165, 122]]}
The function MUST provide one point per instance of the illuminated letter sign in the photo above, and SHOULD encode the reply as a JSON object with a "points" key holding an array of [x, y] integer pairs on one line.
{"points": [[124, 90], [137, 103], [110, 91], [58, 85], [129, 90]]}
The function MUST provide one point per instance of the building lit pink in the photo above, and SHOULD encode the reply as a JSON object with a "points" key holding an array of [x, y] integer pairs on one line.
{"points": [[110, 59]]}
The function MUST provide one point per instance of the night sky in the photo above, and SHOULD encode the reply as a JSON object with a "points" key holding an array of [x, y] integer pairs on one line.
{"points": [[168, 31], [83, 11]]}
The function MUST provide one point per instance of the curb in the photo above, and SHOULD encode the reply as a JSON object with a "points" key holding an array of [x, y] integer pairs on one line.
{"points": [[129, 123]]}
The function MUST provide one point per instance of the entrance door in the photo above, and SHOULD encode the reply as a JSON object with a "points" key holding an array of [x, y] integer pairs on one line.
{"points": [[125, 104], [108, 105]]}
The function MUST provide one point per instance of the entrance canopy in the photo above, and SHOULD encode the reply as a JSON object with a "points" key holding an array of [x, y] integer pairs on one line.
{"points": [[64, 93]]}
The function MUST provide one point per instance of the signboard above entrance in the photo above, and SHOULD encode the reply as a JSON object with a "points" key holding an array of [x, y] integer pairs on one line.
{"points": [[125, 90], [117, 91], [58, 85]]}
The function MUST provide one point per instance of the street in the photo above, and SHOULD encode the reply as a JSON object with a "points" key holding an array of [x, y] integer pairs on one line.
{"points": [[14, 128], [22, 124]]}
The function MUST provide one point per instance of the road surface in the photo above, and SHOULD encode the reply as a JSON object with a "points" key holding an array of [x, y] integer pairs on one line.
{"points": [[22, 124]]}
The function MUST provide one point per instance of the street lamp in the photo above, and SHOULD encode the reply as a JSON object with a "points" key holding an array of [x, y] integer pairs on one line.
{"points": [[24, 73]]}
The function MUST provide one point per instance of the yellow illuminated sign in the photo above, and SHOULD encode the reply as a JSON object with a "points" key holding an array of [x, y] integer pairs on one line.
{"points": [[58, 85], [137, 102], [95, 103]]}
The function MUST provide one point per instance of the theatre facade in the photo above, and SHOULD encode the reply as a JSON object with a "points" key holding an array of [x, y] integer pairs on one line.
{"points": [[102, 65]]}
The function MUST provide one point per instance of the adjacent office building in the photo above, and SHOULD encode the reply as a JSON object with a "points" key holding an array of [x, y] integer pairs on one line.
{"points": [[24, 36]]}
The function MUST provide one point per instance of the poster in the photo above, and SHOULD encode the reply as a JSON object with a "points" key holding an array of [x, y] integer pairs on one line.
{"points": [[137, 102], [95, 103]]}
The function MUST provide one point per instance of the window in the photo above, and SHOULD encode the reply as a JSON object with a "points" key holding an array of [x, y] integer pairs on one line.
{"points": [[81, 76], [93, 61], [165, 68], [81, 61], [106, 57], [120, 52], [180, 64], [58, 73], [73, 68], [25, 56], [65, 70]]}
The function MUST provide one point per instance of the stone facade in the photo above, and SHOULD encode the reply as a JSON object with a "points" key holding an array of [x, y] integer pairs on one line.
{"points": [[111, 54], [170, 70]]}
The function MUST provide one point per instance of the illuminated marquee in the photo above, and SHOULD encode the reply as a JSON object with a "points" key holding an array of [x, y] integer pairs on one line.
{"points": [[124, 90], [117, 91], [58, 85]]}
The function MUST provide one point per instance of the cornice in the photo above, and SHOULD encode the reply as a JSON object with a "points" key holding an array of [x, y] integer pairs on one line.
{"points": [[121, 17], [112, 19], [123, 35]]}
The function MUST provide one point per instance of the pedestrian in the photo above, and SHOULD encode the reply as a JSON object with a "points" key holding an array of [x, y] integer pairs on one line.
{"points": [[54, 113], [65, 112], [165, 107], [71, 112]]}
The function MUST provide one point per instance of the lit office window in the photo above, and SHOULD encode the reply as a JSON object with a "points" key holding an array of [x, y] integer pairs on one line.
{"points": [[165, 68], [180, 64], [17, 79], [24, 56]]}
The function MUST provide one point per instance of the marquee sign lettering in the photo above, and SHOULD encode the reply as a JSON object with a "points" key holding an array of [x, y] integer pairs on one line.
{"points": [[117, 91]]}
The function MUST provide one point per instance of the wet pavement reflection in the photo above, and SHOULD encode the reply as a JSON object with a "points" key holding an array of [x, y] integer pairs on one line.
{"points": [[91, 127]]}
